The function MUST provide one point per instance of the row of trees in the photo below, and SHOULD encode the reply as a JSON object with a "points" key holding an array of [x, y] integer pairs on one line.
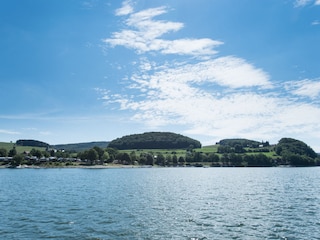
{"points": [[111, 155], [243, 143]]}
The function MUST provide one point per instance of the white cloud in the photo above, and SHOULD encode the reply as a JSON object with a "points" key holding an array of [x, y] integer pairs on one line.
{"points": [[317, 2], [226, 71], [306, 88], [3, 131], [143, 35], [125, 9]]}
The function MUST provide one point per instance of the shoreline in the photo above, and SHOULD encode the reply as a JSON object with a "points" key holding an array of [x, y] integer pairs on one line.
{"points": [[115, 166], [111, 166]]}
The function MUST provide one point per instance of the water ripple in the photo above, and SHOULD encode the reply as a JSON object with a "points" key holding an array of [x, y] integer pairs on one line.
{"points": [[165, 203]]}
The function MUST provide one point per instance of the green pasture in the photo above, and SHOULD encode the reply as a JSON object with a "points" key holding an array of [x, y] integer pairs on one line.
{"points": [[165, 152], [20, 149]]}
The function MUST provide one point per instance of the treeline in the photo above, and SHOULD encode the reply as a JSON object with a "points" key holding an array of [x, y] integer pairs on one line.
{"points": [[190, 158], [232, 152], [239, 145], [154, 140], [233, 142]]}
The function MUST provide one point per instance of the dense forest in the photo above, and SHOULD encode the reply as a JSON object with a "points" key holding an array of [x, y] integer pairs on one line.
{"points": [[154, 140], [31, 143]]}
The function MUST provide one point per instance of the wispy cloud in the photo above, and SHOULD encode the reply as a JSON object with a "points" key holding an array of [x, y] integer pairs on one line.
{"points": [[306, 88], [220, 97], [303, 3], [9, 132], [315, 22], [125, 9], [143, 34], [89, 4]]}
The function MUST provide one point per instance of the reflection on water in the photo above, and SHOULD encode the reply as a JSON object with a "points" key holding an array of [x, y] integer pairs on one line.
{"points": [[160, 203]]}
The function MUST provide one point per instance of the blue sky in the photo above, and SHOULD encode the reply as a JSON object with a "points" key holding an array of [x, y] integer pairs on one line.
{"points": [[94, 70]]}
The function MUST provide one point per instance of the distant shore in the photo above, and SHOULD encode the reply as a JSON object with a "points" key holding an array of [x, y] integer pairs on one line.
{"points": [[106, 166]]}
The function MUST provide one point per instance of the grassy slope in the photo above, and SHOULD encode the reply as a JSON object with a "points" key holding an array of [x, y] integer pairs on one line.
{"points": [[20, 149]]}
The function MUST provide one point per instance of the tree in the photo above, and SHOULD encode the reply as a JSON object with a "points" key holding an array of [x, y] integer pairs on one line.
{"points": [[100, 151], [175, 159], [125, 158], [142, 159], [133, 157], [238, 148], [197, 157], [105, 156], [112, 153], [92, 156], [17, 160], [12, 152], [181, 160], [160, 160], [213, 157], [168, 160], [52, 152], [150, 159], [236, 159], [36, 153], [3, 152]]}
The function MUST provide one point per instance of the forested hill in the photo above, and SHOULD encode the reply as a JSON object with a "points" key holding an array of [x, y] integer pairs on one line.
{"points": [[31, 143], [154, 140], [288, 147]]}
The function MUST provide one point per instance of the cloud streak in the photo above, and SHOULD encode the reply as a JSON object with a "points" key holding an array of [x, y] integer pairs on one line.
{"points": [[305, 88], [303, 3], [9, 132]]}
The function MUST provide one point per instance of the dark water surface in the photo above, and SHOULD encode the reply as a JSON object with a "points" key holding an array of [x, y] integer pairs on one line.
{"points": [[160, 203]]}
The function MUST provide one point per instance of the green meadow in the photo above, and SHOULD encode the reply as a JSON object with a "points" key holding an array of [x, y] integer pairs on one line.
{"points": [[20, 149]]}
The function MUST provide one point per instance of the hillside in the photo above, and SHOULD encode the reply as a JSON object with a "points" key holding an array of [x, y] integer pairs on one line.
{"points": [[20, 149], [295, 152], [154, 140], [78, 147]]}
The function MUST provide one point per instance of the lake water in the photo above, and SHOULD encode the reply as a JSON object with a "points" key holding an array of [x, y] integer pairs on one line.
{"points": [[160, 203]]}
